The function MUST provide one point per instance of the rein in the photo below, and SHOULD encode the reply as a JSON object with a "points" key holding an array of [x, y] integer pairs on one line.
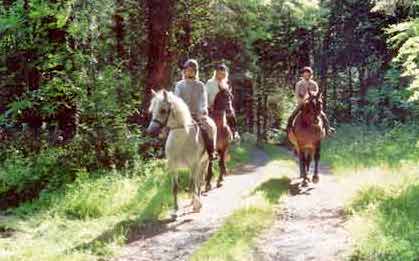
{"points": [[163, 124]]}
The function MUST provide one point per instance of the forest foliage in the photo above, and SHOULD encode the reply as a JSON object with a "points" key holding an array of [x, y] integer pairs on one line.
{"points": [[76, 76]]}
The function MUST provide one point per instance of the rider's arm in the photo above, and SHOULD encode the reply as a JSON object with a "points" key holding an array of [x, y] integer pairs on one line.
{"points": [[203, 102], [315, 88], [300, 90], [177, 90], [208, 88]]}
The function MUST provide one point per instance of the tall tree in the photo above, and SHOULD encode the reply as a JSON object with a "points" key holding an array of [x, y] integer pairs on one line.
{"points": [[159, 21]]}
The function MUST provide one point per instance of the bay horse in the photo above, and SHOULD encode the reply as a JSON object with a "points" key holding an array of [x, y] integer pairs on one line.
{"points": [[223, 106], [184, 146], [306, 134]]}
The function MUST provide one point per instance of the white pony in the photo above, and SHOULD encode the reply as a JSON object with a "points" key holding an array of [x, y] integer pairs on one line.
{"points": [[184, 145]]}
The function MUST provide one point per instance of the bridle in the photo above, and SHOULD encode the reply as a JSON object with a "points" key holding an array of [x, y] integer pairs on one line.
{"points": [[312, 99], [163, 124], [230, 98]]}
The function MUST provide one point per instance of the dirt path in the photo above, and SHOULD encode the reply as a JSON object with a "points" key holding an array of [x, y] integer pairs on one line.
{"points": [[309, 225], [179, 239]]}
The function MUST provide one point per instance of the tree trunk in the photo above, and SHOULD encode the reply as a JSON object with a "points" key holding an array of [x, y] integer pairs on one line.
{"points": [[350, 92], [363, 88], [159, 20], [119, 30], [265, 117], [259, 109]]}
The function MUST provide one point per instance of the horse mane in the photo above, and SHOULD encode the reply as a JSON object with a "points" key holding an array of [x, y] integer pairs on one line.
{"points": [[179, 108], [305, 117]]}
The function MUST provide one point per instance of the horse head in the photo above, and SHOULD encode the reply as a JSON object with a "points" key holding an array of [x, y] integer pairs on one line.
{"points": [[168, 110], [312, 108], [223, 101], [160, 109]]}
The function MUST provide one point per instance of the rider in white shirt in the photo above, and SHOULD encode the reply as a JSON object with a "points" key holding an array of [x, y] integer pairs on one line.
{"points": [[213, 86]]}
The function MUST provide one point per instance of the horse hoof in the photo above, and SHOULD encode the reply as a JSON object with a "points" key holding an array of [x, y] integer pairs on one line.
{"points": [[304, 183], [316, 179], [219, 185], [173, 215]]}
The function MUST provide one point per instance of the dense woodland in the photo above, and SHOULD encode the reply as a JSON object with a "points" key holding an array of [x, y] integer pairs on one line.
{"points": [[76, 76]]}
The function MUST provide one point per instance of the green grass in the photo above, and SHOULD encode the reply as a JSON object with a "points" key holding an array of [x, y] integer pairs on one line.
{"points": [[87, 220], [92, 217], [381, 167], [235, 240], [278, 153], [238, 154], [356, 148], [385, 221]]}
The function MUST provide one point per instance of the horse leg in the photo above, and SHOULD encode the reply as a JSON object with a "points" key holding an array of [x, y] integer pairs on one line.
{"points": [[209, 177], [307, 162], [175, 188], [225, 158], [316, 164], [301, 163], [197, 172], [303, 171], [223, 170]]}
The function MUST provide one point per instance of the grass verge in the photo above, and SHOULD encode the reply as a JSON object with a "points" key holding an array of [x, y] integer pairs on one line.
{"points": [[355, 149], [91, 218], [236, 239], [380, 166]]}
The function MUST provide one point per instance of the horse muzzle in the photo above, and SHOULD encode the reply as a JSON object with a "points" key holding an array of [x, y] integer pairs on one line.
{"points": [[153, 129]]}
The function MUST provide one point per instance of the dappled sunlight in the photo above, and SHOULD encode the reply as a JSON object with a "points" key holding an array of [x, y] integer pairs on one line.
{"points": [[92, 211], [384, 220], [236, 238], [355, 149], [380, 173]]}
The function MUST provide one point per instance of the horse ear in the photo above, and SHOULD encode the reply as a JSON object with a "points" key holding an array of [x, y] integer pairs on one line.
{"points": [[153, 92]]}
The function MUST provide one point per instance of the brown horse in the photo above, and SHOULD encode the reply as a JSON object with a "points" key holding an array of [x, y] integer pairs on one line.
{"points": [[223, 106], [306, 135]]}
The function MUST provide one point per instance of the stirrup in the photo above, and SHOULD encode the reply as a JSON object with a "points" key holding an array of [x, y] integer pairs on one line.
{"points": [[213, 156], [236, 136], [330, 132]]}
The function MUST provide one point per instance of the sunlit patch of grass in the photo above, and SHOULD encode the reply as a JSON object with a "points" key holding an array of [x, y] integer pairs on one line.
{"points": [[235, 240], [385, 220], [86, 221], [238, 154], [380, 171], [276, 152], [356, 148], [91, 218]]}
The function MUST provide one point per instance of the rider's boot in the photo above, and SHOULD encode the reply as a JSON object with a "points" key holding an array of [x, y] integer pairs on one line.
{"points": [[292, 118], [209, 145], [329, 130], [231, 121]]}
